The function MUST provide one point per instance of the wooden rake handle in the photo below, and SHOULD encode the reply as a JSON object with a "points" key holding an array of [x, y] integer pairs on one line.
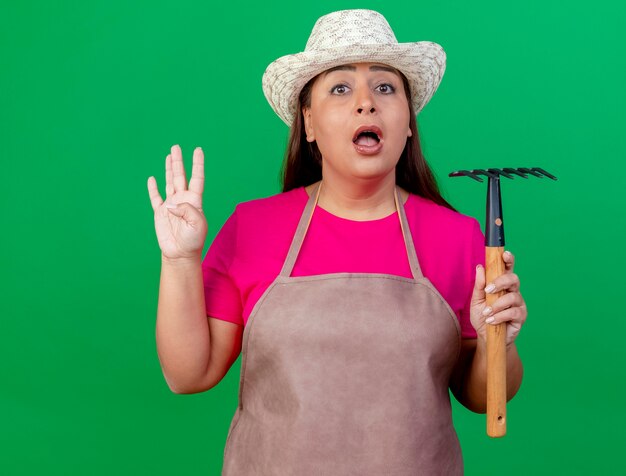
{"points": [[496, 351]]}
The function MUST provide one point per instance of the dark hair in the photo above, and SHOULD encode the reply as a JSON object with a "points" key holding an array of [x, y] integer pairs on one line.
{"points": [[302, 165]]}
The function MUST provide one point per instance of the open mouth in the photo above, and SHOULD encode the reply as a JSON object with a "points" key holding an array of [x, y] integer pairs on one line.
{"points": [[367, 136]]}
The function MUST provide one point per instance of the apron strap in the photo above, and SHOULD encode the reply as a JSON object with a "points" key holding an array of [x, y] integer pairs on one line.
{"points": [[303, 226], [408, 238], [305, 221]]}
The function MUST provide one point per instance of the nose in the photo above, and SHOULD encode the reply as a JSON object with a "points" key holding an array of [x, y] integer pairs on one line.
{"points": [[365, 102], [372, 109]]}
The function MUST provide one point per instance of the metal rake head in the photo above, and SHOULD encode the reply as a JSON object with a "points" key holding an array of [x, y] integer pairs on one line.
{"points": [[507, 172], [494, 228]]}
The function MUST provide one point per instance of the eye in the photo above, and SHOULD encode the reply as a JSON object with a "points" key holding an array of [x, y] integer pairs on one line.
{"points": [[386, 88], [339, 89]]}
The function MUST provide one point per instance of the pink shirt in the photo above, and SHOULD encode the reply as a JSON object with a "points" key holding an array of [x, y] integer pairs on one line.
{"points": [[250, 249]]}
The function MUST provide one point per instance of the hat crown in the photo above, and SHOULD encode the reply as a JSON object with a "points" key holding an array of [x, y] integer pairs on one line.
{"points": [[348, 37], [348, 28]]}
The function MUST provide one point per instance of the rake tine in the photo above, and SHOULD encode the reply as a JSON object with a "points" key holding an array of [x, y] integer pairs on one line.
{"points": [[530, 171], [485, 172], [465, 173], [501, 172], [515, 171], [547, 174]]}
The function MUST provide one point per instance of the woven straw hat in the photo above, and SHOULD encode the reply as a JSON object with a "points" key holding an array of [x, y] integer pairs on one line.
{"points": [[353, 36]]}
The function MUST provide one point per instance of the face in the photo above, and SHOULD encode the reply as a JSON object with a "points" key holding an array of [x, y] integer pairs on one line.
{"points": [[359, 117]]}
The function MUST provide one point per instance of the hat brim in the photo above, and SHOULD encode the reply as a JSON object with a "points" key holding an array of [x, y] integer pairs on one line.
{"points": [[423, 63]]}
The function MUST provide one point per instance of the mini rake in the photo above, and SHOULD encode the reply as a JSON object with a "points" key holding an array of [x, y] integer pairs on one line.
{"points": [[494, 267]]}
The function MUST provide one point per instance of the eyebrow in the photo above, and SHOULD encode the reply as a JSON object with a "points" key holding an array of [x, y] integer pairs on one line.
{"points": [[350, 67]]}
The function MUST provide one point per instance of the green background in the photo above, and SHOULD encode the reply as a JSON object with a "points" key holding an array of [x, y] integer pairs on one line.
{"points": [[92, 96]]}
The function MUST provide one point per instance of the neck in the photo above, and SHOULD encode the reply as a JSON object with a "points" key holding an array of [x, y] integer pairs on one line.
{"points": [[358, 199]]}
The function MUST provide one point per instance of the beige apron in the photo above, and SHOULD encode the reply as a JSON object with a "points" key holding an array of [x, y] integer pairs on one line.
{"points": [[346, 374]]}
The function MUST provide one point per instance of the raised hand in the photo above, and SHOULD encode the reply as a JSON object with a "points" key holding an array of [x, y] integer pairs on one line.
{"points": [[180, 224]]}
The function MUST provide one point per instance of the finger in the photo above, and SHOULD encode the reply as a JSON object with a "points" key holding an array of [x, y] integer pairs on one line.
{"points": [[506, 301], [512, 330], [180, 180], [509, 261], [153, 191], [478, 294], [511, 315], [196, 183], [169, 177], [186, 211], [506, 282]]}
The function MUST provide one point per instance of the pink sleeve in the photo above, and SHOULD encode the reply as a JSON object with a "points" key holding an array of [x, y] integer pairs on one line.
{"points": [[477, 257], [221, 295]]}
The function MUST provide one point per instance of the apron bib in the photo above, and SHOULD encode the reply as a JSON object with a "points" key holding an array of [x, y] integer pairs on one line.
{"points": [[346, 374]]}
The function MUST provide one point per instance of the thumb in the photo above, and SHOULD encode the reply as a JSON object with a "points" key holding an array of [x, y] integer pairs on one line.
{"points": [[479, 284], [186, 211]]}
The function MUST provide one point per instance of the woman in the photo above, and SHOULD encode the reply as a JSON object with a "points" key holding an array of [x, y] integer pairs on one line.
{"points": [[350, 341]]}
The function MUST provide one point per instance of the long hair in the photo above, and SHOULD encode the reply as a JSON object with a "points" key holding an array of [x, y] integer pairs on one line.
{"points": [[302, 165]]}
